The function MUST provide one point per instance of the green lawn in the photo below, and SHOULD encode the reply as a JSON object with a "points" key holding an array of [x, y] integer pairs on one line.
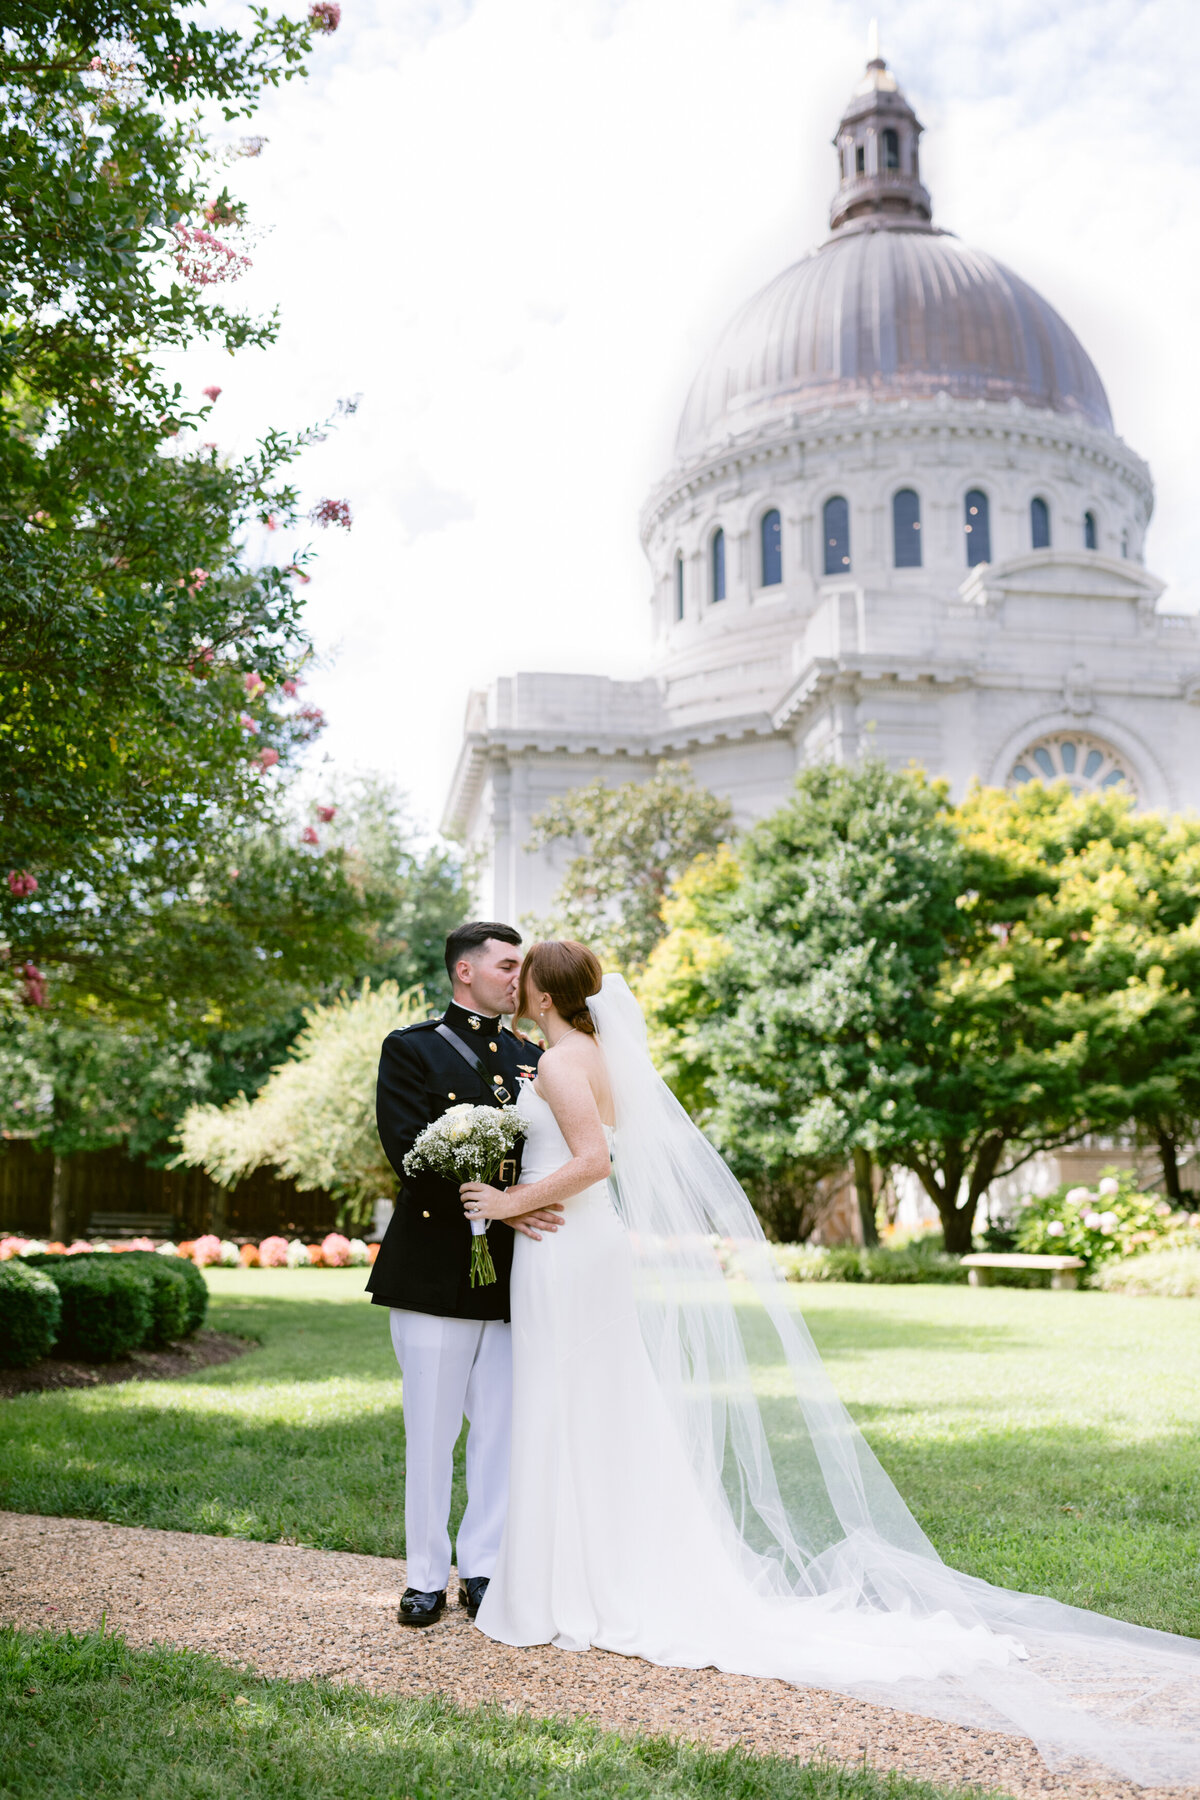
{"points": [[1046, 1441], [89, 1716]]}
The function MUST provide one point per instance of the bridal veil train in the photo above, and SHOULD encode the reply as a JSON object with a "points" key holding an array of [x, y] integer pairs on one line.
{"points": [[774, 1543]]}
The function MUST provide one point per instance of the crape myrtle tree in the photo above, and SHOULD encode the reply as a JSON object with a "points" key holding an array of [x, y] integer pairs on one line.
{"points": [[148, 665], [632, 843]]}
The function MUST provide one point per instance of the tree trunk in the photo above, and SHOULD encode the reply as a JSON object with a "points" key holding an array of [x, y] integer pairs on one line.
{"points": [[1170, 1163], [58, 1203], [864, 1187], [958, 1223]]}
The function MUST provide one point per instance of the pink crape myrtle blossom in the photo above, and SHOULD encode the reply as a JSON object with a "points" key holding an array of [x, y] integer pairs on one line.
{"points": [[272, 1253], [211, 393], [335, 1250], [331, 512], [247, 723], [255, 685], [312, 715], [266, 758], [206, 1250], [291, 687], [21, 883], [309, 835], [203, 259], [271, 522], [327, 814], [33, 985], [294, 569], [198, 664], [325, 15]]}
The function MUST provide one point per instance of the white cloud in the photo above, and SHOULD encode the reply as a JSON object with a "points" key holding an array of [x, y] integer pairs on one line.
{"points": [[515, 226]]}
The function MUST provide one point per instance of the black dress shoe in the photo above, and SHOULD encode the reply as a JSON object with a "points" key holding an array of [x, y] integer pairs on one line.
{"points": [[471, 1592], [417, 1608]]}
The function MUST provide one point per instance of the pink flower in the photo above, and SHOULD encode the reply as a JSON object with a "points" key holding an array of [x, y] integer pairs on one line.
{"points": [[203, 259], [199, 576], [206, 1249], [312, 715], [327, 814], [255, 685], [21, 883], [13, 1246], [272, 1253], [335, 1251], [247, 723], [234, 873], [331, 512], [197, 663], [309, 835], [325, 15], [291, 688], [34, 985], [271, 522], [96, 63], [292, 569], [80, 1247], [266, 759], [211, 393]]}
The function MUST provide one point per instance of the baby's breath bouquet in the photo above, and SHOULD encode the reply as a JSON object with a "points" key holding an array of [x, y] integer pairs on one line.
{"points": [[468, 1143]]}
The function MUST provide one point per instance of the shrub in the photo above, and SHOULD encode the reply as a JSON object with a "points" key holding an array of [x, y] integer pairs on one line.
{"points": [[30, 1314], [180, 1294], [1113, 1219], [273, 1253], [206, 1249], [921, 1260], [107, 1304], [1172, 1272]]}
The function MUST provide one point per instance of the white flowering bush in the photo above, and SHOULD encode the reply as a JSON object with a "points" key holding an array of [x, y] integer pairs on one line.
{"points": [[297, 1255], [1113, 1219]]}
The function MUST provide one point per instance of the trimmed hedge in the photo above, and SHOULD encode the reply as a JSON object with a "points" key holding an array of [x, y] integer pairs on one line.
{"points": [[107, 1305], [30, 1314], [181, 1293]]}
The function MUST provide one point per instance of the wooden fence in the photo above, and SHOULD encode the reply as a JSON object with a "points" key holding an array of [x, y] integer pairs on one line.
{"points": [[107, 1181]]}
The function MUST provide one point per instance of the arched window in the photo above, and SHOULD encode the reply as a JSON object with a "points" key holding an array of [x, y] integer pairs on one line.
{"points": [[678, 585], [836, 519], [860, 159], [1039, 524], [906, 529], [891, 149], [1089, 531], [772, 548], [718, 565], [977, 528]]}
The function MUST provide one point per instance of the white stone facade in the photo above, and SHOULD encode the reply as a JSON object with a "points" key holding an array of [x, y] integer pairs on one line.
{"points": [[1037, 662]]}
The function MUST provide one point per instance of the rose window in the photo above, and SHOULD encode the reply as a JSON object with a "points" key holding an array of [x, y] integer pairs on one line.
{"points": [[1085, 762]]}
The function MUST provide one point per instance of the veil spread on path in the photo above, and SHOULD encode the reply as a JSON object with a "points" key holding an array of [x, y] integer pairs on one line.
{"points": [[801, 1501]]}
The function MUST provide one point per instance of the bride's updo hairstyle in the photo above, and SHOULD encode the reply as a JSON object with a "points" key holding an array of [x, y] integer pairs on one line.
{"points": [[569, 972]]}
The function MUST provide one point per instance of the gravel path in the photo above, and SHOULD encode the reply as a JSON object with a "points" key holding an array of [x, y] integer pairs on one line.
{"points": [[290, 1611]]}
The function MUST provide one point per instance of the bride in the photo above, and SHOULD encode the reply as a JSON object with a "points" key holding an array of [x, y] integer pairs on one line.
{"points": [[685, 1484]]}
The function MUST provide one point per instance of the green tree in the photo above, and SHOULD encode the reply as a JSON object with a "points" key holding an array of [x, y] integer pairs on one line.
{"points": [[147, 662], [314, 1118], [637, 840]]}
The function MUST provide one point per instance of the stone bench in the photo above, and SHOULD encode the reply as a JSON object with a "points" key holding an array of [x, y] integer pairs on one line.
{"points": [[1063, 1270]]}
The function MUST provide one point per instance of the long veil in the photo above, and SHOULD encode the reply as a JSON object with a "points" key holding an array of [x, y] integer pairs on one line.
{"points": [[801, 1501]]}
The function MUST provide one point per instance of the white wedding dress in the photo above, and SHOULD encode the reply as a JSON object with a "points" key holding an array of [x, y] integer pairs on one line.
{"points": [[685, 1486]]}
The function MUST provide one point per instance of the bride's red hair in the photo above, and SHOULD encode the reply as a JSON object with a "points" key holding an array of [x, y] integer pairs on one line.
{"points": [[569, 972]]}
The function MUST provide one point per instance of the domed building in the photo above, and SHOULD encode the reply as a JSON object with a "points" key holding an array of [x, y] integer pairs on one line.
{"points": [[899, 520]]}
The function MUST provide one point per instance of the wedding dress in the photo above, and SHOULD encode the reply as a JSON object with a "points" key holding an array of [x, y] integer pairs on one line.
{"points": [[686, 1487]]}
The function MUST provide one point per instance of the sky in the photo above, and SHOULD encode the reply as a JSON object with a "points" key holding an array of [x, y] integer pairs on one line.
{"points": [[515, 226]]}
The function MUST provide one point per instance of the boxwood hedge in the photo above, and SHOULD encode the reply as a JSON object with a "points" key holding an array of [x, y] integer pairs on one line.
{"points": [[107, 1305], [177, 1269], [30, 1313]]}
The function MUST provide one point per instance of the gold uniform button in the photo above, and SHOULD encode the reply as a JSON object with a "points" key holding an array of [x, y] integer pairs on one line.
{"points": [[424, 1215], [452, 1096], [498, 1079], [493, 1046]]}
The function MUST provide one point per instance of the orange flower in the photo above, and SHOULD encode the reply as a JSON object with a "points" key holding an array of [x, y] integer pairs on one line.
{"points": [[248, 1256]]}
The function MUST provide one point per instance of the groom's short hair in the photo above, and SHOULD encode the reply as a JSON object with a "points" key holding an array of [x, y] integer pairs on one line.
{"points": [[465, 938]]}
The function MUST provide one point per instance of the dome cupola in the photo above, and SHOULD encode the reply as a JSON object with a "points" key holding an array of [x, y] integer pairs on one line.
{"points": [[878, 162]]}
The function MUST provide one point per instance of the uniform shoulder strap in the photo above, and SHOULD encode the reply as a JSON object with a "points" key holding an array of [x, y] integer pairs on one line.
{"points": [[466, 1052]]}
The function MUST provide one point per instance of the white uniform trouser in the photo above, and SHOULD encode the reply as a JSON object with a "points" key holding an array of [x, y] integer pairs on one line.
{"points": [[453, 1367]]}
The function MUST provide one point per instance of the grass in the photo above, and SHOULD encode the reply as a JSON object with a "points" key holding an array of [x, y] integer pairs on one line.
{"points": [[87, 1715], [1048, 1442]]}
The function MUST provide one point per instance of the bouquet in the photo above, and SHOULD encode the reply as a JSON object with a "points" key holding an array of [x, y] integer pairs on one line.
{"points": [[468, 1143]]}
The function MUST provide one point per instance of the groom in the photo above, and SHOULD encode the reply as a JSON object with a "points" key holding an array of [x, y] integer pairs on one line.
{"points": [[452, 1341]]}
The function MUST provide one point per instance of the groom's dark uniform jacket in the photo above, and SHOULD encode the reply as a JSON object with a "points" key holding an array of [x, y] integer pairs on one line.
{"points": [[424, 1261]]}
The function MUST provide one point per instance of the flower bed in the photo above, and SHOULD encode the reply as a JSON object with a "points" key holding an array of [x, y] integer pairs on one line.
{"points": [[333, 1252], [1115, 1219]]}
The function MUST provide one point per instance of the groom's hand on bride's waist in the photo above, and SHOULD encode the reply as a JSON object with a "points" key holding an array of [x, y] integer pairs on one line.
{"points": [[532, 1225]]}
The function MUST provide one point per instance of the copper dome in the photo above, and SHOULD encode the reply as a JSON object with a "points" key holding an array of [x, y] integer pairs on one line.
{"points": [[889, 308]]}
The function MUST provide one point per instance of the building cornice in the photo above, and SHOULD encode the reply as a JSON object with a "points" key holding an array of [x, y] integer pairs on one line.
{"points": [[794, 434]]}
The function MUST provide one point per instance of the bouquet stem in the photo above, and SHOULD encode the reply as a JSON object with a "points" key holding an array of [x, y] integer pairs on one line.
{"points": [[483, 1269]]}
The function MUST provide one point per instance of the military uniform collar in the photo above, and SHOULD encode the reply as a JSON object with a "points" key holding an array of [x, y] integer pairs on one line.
{"points": [[470, 1024]]}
